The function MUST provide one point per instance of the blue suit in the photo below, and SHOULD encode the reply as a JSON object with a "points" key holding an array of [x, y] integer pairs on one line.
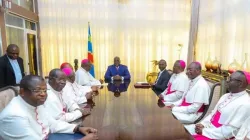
{"points": [[113, 71]]}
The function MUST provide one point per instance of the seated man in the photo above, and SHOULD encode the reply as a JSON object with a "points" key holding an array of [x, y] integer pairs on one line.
{"points": [[191, 106], [117, 71], [59, 105], [163, 77], [25, 117], [229, 113], [78, 93], [177, 83], [68, 65], [84, 78]]}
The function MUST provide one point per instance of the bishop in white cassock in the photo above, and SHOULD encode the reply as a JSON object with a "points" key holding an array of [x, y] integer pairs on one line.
{"points": [[25, 117], [84, 78], [58, 104], [229, 113], [176, 85], [191, 106], [80, 94]]}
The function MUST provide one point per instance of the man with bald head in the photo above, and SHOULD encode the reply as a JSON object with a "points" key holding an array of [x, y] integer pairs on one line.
{"points": [[83, 77], [80, 94], [117, 71], [25, 117], [163, 77], [191, 106], [229, 113], [59, 105], [176, 85], [11, 67]]}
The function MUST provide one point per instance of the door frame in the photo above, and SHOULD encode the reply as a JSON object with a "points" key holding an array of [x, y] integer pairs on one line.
{"points": [[26, 32]]}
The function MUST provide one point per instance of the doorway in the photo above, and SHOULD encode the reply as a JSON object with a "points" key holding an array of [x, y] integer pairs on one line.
{"points": [[32, 53]]}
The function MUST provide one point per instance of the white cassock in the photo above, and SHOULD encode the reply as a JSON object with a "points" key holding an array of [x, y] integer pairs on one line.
{"points": [[244, 131], [61, 107], [76, 92], [190, 107], [227, 117], [177, 84], [21, 121], [84, 78]]}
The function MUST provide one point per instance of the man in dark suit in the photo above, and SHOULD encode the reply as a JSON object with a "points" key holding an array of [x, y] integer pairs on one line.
{"points": [[163, 77], [11, 67], [117, 71]]}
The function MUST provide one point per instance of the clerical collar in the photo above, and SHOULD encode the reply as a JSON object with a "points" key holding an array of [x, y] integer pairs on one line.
{"points": [[83, 69], [238, 94], [196, 78], [180, 73], [25, 103], [68, 82], [50, 88]]}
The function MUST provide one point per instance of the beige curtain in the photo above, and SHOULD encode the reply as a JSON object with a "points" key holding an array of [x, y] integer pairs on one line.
{"points": [[193, 30], [137, 31], [224, 31]]}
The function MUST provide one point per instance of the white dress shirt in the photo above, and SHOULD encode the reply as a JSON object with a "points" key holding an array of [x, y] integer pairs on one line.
{"points": [[21, 121], [84, 78], [234, 109], [177, 85], [60, 106], [197, 94], [76, 92]]}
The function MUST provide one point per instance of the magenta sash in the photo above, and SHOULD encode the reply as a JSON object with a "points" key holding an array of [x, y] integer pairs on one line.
{"points": [[215, 119], [184, 103], [200, 137], [169, 89]]}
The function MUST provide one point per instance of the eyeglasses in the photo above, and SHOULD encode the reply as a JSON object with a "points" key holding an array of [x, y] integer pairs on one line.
{"points": [[40, 91], [229, 79]]}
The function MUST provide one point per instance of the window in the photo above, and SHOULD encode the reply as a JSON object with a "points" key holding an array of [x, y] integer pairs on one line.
{"points": [[13, 21], [27, 4]]}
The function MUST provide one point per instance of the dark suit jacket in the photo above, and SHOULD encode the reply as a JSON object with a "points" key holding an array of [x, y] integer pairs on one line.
{"points": [[7, 75], [112, 71], [162, 82]]}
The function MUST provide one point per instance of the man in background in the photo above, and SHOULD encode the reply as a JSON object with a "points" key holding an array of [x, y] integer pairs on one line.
{"points": [[163, 77], [176, 85], [117, 71], [11, 67], [83, 77]]}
